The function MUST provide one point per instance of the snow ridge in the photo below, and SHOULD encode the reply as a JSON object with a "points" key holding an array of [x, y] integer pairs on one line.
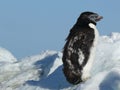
{"points": [[44, 71]]}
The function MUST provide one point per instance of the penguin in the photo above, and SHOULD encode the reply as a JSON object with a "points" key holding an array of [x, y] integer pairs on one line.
{"points": [[79, 49]]}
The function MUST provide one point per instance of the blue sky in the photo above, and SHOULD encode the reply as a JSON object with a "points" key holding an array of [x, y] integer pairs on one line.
{"points": [[28, 27]]}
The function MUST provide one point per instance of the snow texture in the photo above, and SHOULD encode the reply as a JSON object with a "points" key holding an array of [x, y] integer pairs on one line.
{"points": [[44, 71]]}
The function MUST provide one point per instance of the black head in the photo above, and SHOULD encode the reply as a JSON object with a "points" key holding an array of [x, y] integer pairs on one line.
{"points": [[88, 17]]}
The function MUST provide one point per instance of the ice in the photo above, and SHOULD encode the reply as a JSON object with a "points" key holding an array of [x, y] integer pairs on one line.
{"points": [[44, 71]]}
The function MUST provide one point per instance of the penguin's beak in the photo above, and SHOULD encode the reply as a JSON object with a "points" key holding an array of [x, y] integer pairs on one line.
{"points": [[99, 18]]}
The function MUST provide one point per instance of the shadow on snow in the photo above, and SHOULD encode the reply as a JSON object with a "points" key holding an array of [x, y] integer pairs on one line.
{"points": [[55, 80]]}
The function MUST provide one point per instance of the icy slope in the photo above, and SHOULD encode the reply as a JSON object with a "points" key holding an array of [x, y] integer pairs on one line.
{"points": [[44, 71]]}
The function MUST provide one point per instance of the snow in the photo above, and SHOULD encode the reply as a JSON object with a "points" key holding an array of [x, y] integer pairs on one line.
{"points": [[44, 71], [6, 56]]}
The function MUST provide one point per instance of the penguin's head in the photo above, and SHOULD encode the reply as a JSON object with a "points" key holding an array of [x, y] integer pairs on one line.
{"points": [[88, 17]]}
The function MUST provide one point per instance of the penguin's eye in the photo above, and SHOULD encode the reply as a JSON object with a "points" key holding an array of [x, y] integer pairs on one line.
{"points": [[93, 16]]}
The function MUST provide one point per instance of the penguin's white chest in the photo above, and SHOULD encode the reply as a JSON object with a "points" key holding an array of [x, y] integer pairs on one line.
{"points": [[88, 66], [95, 32]]}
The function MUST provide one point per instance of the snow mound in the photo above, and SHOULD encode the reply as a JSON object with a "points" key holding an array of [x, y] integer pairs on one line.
{"points": [[44, 71], [6, 56]]}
